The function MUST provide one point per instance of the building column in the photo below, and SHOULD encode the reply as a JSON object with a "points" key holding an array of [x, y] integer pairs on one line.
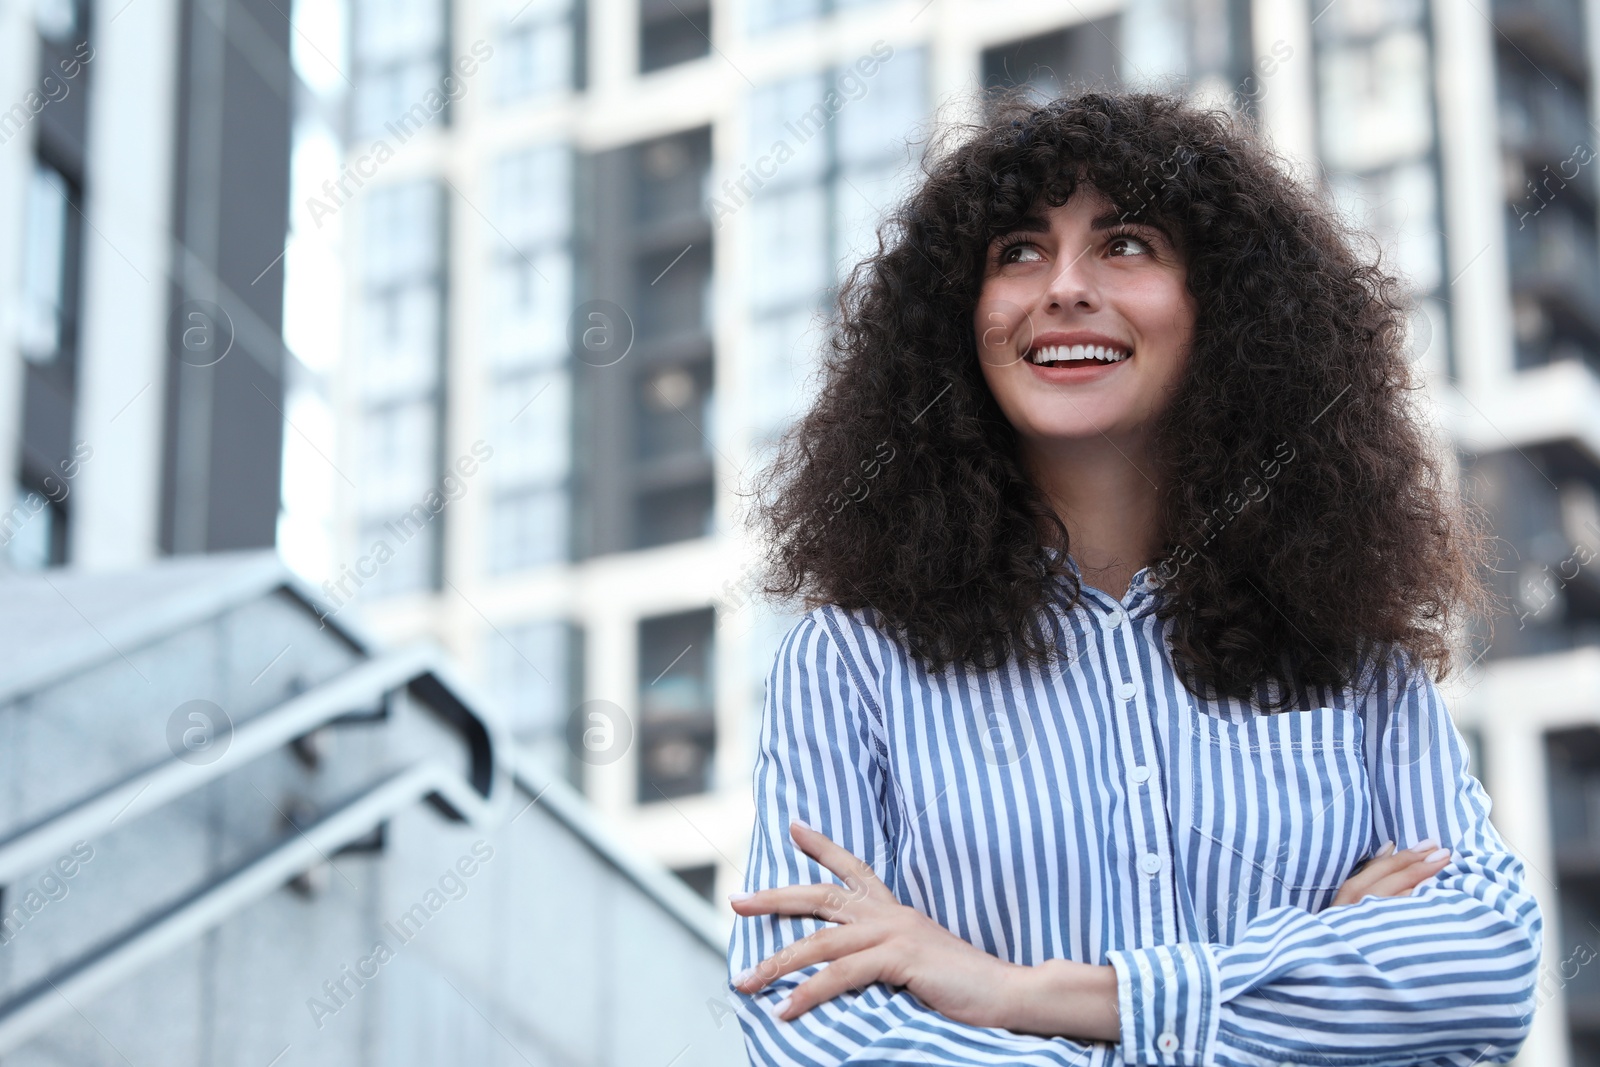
{"points": [[126, 258]]}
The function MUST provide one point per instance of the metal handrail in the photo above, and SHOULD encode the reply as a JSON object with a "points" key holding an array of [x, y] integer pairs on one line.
{"points": [[127, 800], [36, 1007]]}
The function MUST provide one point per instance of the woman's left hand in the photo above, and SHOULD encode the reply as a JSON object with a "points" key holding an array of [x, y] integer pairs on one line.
{"points": [[878, 939]]}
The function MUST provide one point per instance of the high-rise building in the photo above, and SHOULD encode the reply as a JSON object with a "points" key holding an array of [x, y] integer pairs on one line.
{"points": [[144, 167], [587, 293]]}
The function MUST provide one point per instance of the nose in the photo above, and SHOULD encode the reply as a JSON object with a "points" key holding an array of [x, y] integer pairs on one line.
{"points": [[1073, 285]]}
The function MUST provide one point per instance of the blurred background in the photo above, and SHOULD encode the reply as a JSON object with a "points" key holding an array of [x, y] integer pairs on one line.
{"points": [[379, 381]]}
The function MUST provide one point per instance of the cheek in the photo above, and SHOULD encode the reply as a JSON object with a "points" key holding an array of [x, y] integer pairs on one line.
{"points": [[994, 325]]}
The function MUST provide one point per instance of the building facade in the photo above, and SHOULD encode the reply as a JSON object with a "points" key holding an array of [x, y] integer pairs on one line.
{"points": [[590, 261], [144, 191]]}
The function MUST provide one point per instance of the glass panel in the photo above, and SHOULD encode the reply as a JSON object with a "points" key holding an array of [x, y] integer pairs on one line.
{"points": [[402, 231], [785, 350], [530, 301], [399, 461], [44, 265], [399, 553], [533, 437], [534, 58], [529, 528], [532, 195], [672, 406], [780, 127], [395, 29], [677, 707], [1375, 102], [530, 671], [788, 251], [400, 341], [878, 126]]}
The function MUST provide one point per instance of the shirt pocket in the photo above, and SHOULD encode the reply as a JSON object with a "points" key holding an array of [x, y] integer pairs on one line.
{"points": [[1275, 811]]}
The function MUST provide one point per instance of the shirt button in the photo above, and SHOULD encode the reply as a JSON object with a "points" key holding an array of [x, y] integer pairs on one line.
{"points": [[1126, 690], [1140, 774], [1150, 863], [1167, 1042], [1112, 619]]}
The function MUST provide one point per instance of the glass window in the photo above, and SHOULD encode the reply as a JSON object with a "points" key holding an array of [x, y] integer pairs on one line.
{"points": [[677, 707], [400, 552], [768, 14], [56, 19], [44, 264], [400, 446], [533, 417], [1376, 101], [30, 530], [779, 126], [531, 669], [788, 252], [529, 527], [878, 124], [672, 32], [531, 279], [401, 231], [536, 49], [400, 340], [814, 220], [399, 53]]}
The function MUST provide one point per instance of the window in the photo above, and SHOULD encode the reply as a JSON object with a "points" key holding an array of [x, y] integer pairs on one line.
{"points": [[1542, 81], [677, 717], [1573, 761], [646, 452], [535, 670], [672, 32], [531, 390], [538, 49], [399, 52], [1377, 141], [401, 339], [1051, 63], [768, 14], [843, 135], [48, 237]]}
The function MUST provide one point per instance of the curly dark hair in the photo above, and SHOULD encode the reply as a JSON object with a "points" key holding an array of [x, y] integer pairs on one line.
{"points": [[902, 491]]}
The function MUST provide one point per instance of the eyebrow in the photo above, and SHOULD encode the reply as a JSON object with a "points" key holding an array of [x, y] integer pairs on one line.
{"points": [[1036, 224]]}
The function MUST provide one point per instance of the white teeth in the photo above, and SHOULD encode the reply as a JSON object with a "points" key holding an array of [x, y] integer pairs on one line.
{"points": [[1065, 353]]}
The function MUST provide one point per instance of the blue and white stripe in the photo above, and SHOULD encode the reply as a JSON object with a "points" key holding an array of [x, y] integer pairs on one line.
{"points": [[1097, 811]]}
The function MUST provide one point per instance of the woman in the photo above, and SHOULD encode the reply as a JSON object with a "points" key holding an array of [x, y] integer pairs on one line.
{"points": [[1128, 564]]}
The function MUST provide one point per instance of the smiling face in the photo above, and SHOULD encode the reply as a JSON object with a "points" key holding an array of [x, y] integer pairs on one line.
{"points": [[1083, 324]]}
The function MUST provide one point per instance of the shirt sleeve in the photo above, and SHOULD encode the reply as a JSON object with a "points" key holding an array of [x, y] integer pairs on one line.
{"points": [[1446, 975], [817, 762]]}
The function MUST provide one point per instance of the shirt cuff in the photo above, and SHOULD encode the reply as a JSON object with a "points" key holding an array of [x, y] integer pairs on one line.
{"points": [[1167, 1001]]}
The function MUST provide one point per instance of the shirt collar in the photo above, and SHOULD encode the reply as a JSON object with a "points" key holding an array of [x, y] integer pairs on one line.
{"points": [[1144, 588]]}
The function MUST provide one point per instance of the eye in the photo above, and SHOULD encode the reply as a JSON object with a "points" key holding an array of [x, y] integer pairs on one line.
{"points": [[1011, 251], [1120, 241]]}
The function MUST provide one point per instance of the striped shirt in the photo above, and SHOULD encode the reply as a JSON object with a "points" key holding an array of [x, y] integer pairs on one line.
{"points": [[1094, 810]]}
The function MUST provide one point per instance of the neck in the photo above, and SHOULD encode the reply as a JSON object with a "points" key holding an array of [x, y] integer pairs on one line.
{"points": [[1105, 494]]}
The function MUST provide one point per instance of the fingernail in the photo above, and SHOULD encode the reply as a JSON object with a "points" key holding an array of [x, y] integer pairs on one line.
{"points": [[740, 894], [743, 976], [1436, 855], [783, 1005], [1388, 847], [802, 822], [1425, 845]]}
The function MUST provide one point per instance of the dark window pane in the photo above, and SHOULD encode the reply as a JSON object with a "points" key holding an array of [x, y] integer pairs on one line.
{"points": [[677, 727], [673, 31]]}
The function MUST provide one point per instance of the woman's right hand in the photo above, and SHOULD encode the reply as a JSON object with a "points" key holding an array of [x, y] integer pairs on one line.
{"points": [[1394, 874]]}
